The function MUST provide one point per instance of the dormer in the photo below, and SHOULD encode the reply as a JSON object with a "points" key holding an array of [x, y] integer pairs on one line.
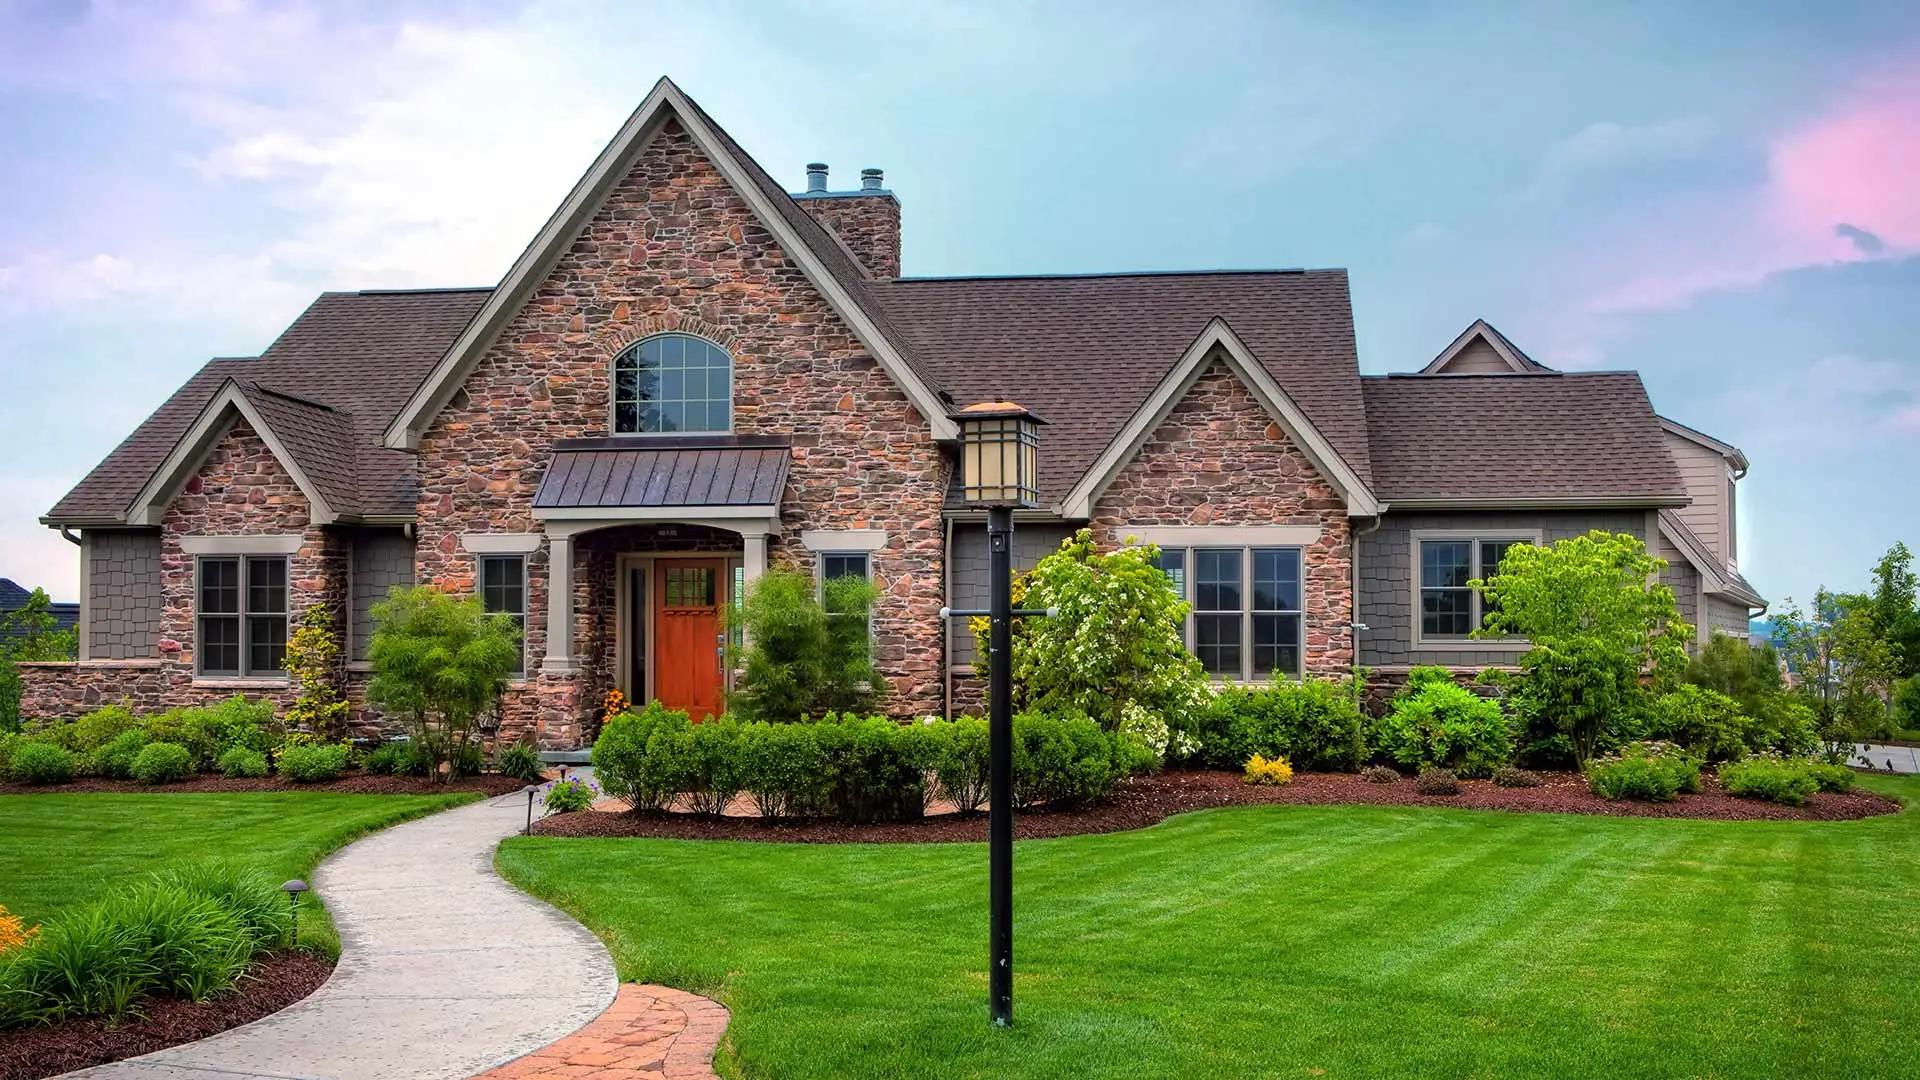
{"points": [[1711, 470], [1482, 350]]}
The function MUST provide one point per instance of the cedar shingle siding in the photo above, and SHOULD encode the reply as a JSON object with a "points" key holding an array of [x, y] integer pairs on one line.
{"points": [[382, 559], [123, 594]]}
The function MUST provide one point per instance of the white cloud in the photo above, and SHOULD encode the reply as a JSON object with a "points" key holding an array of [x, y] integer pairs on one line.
{"points": [[1607, 145]]}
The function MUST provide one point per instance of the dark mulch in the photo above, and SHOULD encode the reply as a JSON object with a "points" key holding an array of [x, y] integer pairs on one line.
{"points": [[271, 985], [353, 783], [1149, 800]]}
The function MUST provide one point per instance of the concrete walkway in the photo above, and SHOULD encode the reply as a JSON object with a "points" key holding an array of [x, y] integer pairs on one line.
{"points": [[445, 969]]}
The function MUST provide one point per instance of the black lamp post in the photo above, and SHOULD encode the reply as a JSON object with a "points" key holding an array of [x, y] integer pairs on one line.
{"points": [[293, 889], [530, 789], [999, 470]]}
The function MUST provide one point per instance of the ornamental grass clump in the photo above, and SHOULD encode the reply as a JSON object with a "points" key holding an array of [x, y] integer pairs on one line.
{"points": [[519, 761], [1270, 771]]}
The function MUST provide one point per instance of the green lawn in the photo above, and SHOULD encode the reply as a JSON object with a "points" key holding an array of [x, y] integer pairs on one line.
{"points": [[1291, 942], [58, 850]]}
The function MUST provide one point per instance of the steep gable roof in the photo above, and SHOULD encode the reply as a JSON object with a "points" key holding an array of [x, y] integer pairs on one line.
{"points": [[1734, 455], [1516, 361], [826, 262], [1715, 575], [1548, 439], [1089, 351]]}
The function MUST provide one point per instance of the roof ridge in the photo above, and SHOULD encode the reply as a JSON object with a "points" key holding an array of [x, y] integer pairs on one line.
{"points": [[423, 290]]}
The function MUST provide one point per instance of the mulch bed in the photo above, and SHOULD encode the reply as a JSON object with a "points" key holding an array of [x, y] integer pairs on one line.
{"points": [[52, 1049], [353, 783], [1149, 800]]}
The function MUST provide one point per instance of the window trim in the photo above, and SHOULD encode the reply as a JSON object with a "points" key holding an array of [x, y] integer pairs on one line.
{"points": [[1189, 592], [242, 617], [480, 590], [1474, 538], [613, 403]]}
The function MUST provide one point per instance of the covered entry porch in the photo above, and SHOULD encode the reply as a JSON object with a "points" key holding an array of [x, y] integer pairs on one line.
{"points": [[650, 543]]}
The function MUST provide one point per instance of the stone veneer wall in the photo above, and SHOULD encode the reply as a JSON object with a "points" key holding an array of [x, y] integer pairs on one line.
{"points": [[240, 490], [675, 249], [869, 224], [1220, 459]]}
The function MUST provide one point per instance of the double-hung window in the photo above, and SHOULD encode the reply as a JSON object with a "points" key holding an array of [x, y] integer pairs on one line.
{"points": [[503, 589], [1246, 619], [242, 615], [1450, 609], [839, 564]]}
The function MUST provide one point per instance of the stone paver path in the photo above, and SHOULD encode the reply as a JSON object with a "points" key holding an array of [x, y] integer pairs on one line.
{"points": [[445, 969], [649, 1033]]}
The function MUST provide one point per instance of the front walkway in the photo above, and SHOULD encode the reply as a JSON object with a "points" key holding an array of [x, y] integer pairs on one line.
{"points": [[650, 1033], [445, 970], [1900, 759]]}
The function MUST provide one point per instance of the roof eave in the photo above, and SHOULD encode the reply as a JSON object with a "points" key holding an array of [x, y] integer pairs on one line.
{"points": [[1543, 502]]}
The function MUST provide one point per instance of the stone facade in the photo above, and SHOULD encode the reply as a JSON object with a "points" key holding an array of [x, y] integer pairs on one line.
{"points": [[675, 249], [1219, 458], [869, 224]]}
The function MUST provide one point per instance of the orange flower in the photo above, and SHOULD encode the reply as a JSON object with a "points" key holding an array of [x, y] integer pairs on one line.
{"points": [[13, 932]]}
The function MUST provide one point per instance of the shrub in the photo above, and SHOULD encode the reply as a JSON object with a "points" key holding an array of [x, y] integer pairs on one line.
{"points": [[42, 763], [162, 763], [391, 757], [569, 796], [1649, 772], [1315, 723], [1065, 761], [782, 767], [207, 732], [311, 661], [1508, 776], [1441, 724], [716, 775], [1380, 774], [466, 759], [870, 775], [101, 726], [416, 761], [1273, 771], [808, 650], [963, 763], [1772, 779], [440, 663], [313, 763], [241, 763], [1437, 782], [1832, 779], [114, 758], [519, 761], [189, 933], [1784, 724], [1705, 721], [645, 758]]}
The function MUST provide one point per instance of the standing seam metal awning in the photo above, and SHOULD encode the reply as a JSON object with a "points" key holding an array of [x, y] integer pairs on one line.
{"points": [[741, 471]]}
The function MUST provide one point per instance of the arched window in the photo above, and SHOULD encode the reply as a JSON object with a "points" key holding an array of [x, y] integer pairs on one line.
{"points": [[673, 382]]}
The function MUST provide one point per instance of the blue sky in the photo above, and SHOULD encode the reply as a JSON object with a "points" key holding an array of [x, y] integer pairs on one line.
{"points": [[1720, 195]]}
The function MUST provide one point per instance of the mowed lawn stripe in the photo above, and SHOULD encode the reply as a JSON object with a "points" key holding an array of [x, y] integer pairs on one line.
{"points": [[1291, 941]]}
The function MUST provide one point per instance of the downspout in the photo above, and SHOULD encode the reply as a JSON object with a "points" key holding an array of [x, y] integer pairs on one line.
{"points": [[69, 536], [946, 625]]}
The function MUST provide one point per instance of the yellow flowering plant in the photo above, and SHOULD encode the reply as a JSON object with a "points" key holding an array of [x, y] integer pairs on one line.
{"points": [[1274, 771], [14, 932]]}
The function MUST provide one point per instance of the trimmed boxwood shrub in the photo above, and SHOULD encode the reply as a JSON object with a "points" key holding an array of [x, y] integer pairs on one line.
{"points": [[162, 763], [114, 758], [42, 763], [1777, 781], [312, 763], [1435, 722], [240, 763], [1316, 724]]}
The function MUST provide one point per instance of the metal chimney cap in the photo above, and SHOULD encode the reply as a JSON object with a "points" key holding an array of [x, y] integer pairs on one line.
{"points": [[817, 176], [870, 179]]}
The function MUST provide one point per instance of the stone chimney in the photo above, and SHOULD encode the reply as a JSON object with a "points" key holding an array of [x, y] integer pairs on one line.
{"points": [[867, 219]]}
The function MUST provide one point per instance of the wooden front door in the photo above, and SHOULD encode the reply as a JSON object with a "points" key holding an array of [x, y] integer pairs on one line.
{"points": [[688, 635]]}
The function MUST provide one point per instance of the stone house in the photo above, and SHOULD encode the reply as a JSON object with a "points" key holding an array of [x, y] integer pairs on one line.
{"points": [[691, 375]]}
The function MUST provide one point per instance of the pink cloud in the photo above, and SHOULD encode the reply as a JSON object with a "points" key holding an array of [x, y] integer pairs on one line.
{"points": [[1858, 166]]}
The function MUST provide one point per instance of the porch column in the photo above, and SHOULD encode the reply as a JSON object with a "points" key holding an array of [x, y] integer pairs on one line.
{"points": [[559, 602], [754, 560]]}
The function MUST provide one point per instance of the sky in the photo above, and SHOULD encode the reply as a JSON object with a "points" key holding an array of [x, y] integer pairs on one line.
{"points": [[1722, 196]]}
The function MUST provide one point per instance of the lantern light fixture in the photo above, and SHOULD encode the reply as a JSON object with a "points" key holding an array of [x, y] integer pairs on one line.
{"points": [[999, 455]]}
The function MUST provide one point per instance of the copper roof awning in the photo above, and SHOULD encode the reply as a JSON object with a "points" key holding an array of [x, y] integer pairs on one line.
{"points": [[690, 471]]}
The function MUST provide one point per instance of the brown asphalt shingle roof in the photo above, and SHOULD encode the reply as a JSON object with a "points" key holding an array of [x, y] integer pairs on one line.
{"points": [[1536, 436], [1085, 352]]}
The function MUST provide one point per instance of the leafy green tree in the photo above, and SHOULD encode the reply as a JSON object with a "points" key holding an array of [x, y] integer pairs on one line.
{"points": [[809, 651], [441, 663], [1843, 666], [1896, 608], [1749, 674], [1113, 640], [29, 634], [313, 661], [1605, 634]]}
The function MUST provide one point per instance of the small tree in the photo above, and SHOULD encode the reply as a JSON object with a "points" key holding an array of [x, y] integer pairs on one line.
{"points": [[807, 654], [312, 661], [1896, 608], [440, 662], [1113, 640], [1749, 674], [1604, 634], [29, 634], [1843, 666]]}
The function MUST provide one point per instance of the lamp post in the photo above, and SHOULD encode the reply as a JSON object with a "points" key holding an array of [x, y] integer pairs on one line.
{"points": [[293, 889], [999, 470], [530, 789]]}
